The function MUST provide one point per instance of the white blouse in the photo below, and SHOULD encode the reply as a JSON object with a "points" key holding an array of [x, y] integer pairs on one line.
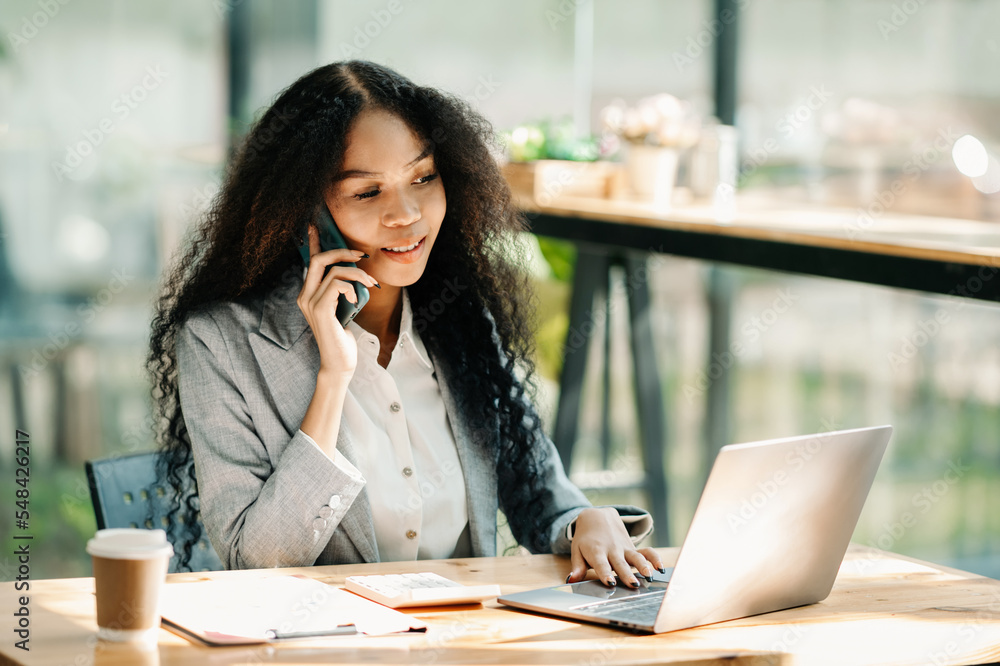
{"points": [[409, 460]]}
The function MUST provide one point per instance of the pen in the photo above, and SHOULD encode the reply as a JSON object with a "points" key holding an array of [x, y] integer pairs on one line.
{"points": [[341, 630]]}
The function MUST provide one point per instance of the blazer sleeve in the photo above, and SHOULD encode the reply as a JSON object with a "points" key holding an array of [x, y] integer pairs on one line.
{"points": [[263, 505]]}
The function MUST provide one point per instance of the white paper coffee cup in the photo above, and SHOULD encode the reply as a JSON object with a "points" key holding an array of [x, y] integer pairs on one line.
{"points": [[130, 567]]}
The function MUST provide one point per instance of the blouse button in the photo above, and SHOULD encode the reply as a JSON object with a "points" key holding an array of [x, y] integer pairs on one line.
{"points": [[407, 471], [410, 534], [394, 407]]}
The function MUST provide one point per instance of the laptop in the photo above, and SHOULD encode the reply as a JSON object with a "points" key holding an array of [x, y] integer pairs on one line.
{"points": [[770, 532]]}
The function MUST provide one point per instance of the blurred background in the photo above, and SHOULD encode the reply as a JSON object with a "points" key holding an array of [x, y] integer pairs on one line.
{"points": [[116, 118]]}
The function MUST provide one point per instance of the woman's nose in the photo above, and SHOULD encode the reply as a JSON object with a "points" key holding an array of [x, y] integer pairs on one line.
{"points": [[402, 208]]}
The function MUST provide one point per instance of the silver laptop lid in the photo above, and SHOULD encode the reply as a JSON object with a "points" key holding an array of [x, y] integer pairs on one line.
{"points": [[772, 526]]}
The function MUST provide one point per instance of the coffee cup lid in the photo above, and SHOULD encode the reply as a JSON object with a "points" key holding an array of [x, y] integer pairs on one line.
{"points": [[130, 544]]}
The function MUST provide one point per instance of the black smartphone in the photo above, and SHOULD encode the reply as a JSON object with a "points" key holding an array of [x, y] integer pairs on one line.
{"points": [[330, 238]]}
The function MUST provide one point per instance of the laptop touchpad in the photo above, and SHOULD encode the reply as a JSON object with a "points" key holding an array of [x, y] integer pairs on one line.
{"points": [[593, 588]]}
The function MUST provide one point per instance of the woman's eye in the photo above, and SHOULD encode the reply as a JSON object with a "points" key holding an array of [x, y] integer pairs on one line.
{"points": [[366, 195], [426, 179]]}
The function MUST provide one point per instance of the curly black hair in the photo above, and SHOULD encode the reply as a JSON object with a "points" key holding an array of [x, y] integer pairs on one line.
{"points": [[246, 246]]}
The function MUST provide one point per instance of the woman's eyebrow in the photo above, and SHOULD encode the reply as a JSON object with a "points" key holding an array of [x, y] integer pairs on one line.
{"points": [[358, 173]]}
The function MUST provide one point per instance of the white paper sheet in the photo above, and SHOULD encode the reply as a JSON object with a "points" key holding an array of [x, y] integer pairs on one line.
{"points": [[242, 611]]}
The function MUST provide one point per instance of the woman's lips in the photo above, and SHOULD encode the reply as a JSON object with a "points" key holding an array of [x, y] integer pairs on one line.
{"points": [[407, 257]]}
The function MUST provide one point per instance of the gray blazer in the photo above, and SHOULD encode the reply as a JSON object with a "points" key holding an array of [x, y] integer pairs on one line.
{"points": [[271, 498]]}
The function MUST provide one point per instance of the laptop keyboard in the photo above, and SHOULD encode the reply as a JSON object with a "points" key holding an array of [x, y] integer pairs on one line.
{"points": [[640, 609]]}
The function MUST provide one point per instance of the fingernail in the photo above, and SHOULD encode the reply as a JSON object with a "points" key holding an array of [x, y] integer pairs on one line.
{"points": [[633, 584], [568, 577], [365, 256], [378, 285], [610, 580], [662, 570]]}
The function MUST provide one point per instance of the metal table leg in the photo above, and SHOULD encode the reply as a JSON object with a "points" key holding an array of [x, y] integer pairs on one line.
{"points": [[590, 285], [590, 279], [648, 394]]}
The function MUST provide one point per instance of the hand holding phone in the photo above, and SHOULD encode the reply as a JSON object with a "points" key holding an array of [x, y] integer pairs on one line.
{"points": [[330, 238]]}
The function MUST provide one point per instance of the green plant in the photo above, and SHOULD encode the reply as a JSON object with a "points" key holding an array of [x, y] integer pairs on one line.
{"points": [[553, 140]]}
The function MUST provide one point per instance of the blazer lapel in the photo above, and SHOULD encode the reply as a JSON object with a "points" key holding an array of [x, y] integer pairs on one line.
{"points": [[288, 357], [473, 439]]}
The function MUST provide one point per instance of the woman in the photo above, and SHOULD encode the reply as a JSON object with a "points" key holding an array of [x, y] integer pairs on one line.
{"points": [[400, 435]]}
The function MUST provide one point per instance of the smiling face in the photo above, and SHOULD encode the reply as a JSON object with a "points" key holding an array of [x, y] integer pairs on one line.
{"points": [[388, 199]]}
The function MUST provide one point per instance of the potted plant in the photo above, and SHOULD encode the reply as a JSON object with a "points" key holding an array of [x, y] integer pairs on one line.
{"points": [[550, 159], [654, 131]]}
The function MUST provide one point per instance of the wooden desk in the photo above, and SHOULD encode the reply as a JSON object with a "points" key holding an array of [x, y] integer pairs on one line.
{"points": [[884, 608], [930, 254]]}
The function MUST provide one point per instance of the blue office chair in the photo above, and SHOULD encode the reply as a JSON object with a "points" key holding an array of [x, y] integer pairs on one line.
{"points": [[126, 492]]}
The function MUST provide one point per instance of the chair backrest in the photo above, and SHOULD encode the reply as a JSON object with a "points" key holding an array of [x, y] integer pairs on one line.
{"points": [[127, 493]]}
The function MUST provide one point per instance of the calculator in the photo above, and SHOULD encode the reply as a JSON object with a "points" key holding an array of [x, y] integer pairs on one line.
{"points": [[418, 589]]}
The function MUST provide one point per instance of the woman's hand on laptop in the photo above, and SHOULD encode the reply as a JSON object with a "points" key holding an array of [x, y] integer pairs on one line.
{"points": [[601, 543]]}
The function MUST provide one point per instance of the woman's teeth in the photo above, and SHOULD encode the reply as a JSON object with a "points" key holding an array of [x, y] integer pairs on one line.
{"points": [[406, 248]]}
